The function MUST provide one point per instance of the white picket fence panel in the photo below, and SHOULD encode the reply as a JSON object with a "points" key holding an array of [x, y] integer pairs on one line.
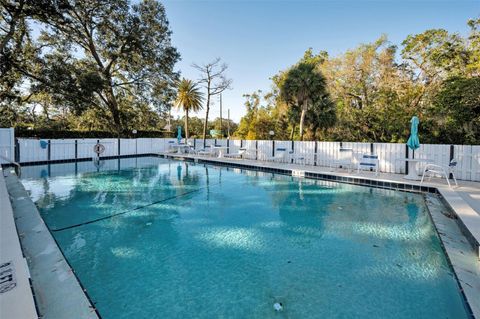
{"points": [[264, 150], [251, 150], [390, 157], [32, 151], [305, 150], [327, 153], [287, 145], [234, 146], [85, 147]]}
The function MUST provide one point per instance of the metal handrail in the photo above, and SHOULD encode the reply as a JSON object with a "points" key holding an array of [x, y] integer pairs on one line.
{"points": [[19, 168]]}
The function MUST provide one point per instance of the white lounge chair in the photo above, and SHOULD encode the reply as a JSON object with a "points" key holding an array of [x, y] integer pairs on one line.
{"points": [[369, 161], [238, 154], [442, 170], [297, 158], [207, 151], [170, 148], [345, 156], [280, 155]]}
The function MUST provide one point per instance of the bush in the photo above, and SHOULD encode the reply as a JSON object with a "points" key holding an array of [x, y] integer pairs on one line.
{"points": [[52, 134]]}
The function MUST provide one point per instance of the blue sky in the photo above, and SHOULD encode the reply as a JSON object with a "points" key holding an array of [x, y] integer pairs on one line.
{"points": [[259, 38]]}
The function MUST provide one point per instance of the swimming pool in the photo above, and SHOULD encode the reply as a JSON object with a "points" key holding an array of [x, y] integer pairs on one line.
{"points": [[170, 239]]}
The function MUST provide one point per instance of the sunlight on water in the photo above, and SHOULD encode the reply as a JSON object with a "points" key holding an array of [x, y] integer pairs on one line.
{"points": [[237, 238], [166, 239]]}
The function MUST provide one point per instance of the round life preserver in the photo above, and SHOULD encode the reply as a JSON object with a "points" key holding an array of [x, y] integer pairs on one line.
{"points": [[99, 148]]}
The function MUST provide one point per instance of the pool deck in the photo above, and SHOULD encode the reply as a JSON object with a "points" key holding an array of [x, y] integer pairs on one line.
{"points": [[58, 293], [18, 291]]}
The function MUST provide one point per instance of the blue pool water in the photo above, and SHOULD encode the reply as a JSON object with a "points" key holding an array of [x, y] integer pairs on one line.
{"points": [[167, 239]]}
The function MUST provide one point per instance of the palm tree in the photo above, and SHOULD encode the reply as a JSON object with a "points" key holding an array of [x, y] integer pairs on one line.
{"points": [[303, 88], [189, 98]]}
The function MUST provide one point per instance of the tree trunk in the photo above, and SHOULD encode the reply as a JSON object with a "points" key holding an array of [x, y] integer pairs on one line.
{"points": [[186, 126], [205, 124], [113, 107], [302, 119]]}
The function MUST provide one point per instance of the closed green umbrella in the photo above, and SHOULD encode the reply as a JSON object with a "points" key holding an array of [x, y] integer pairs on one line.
{"points": [[413, 141], [179, 134]]}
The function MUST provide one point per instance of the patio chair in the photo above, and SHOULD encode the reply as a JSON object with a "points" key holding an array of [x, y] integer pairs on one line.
{"points": [[191, 150], [297, 158], [170, 148], [280, 155], [207, 151], [344, 159], [369, 161], [238, 154], [441, 170]]}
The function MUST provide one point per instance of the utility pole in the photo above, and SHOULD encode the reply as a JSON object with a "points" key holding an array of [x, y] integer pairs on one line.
{"points": [[221, 126], [228, 124]]}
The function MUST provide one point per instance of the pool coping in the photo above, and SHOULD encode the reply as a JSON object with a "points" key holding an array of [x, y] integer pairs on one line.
{"points": [[17, 300], [464, 214], [57, 291]]}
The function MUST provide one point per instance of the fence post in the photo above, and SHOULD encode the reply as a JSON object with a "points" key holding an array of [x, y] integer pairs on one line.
{"points": [[17, 151], [452, 155], [371, 148], [228, 146], [315, 154], [406, 156], [273, 148], [118, 146], [48, 152], [293, 151], [76, 150], [256, 149]]}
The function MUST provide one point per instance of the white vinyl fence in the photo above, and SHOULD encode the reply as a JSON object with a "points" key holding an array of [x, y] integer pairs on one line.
{"points": [[391, 155]]}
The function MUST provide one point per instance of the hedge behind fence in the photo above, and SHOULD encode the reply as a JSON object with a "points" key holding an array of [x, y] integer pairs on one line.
{"points": [[47, 134]]}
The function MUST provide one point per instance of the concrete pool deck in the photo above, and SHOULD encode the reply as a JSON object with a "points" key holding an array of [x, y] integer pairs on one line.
{"points": [[464, 201], [58, 293]]}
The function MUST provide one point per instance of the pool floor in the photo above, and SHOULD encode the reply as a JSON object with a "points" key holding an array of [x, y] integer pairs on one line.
{"points": [[171, 239]]}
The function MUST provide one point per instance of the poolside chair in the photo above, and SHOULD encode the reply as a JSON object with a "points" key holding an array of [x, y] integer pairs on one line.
{"points": [[441, 170], [239, 154], [191, 150], [344, 159], [170, 148], [207, 151], [369, 161], [280, 155], [297, 158]]}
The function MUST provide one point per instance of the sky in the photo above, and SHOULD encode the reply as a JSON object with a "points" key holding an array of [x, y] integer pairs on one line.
{"points": [[259, 38]]}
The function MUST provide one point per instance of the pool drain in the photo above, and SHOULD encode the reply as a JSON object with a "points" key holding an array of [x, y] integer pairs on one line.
{"points": [[278, 306]]}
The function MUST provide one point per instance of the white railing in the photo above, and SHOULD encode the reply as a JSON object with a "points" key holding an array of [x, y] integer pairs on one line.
{"points": [[312, 153]]}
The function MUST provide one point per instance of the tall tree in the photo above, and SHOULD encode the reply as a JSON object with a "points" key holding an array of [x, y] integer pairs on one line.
{"points": [[125, 51], [189, 98], [214, 80], [17, 50], [304, 88]]}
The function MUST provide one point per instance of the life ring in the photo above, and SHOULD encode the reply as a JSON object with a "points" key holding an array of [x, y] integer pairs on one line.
{"points": [[99, 148]]}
